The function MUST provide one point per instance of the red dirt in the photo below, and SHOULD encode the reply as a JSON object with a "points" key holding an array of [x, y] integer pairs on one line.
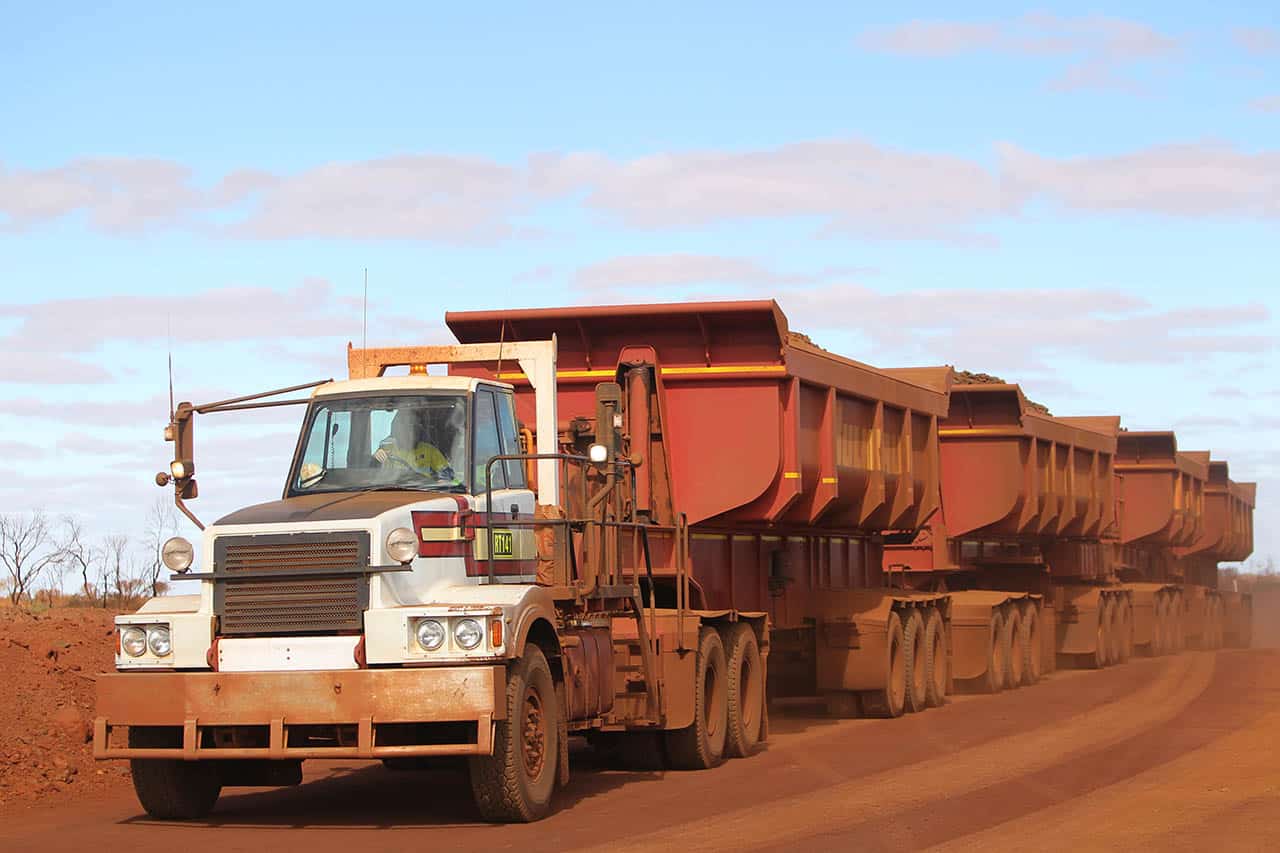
{"points": [[48, 663]]}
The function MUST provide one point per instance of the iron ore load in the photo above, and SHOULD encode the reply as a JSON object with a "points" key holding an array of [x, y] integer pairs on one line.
{"points": [[639, 524]]}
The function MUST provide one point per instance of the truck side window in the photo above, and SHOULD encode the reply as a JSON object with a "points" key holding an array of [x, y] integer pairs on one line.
{"points": [[487, 443], [510, 444]]}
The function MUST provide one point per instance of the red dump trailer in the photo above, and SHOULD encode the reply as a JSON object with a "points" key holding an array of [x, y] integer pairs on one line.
{"points": [[1029, 501], [900, 530], [787, 461]]}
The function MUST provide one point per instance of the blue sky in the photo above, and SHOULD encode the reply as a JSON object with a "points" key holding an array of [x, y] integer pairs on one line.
{"points": [[1082, 200]]}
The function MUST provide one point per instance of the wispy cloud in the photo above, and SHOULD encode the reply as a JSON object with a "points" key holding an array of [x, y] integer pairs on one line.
{"points": [[1097, 52], [843, 187], [51, 341], [1259, 41], [1198, 179], [1266, 104]]}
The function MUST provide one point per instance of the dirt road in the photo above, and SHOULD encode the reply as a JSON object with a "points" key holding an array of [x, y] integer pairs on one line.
{"points": [[1171, 754]]}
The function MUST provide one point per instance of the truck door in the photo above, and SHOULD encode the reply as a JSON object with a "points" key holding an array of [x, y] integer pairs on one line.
{"points": [[514, 548]]}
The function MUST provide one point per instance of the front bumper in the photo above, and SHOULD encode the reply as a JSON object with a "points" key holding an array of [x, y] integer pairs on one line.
{"points": [[370, 707]]}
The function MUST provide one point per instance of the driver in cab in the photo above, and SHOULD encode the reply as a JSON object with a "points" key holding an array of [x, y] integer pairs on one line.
{"points": [[404, 449]]}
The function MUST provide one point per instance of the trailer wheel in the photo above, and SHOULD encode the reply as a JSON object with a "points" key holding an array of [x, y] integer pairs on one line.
{"points": [[746, 690], [890, 701], [1101, 654], [1177, 629], [1126, 631], [171, 789], [516, 782], [993, 680], [935, 639], [1115, 628], [1159, 634], [915, 659], [700, 745], [1014, 650], [1031, 670]]}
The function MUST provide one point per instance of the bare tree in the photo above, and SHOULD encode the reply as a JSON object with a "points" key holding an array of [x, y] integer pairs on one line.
{"points": [[85, 559], [161, 523], [116, 559], [27, 551]]}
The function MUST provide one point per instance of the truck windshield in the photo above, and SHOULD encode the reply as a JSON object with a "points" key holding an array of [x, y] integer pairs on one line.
{"points": [[411, 441]]}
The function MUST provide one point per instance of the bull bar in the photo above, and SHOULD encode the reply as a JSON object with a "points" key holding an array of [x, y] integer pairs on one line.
{"points": [[365, 699]]}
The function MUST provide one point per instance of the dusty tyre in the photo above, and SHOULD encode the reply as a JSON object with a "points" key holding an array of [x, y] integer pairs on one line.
{"points": [[1177, 630], [915, 657], [1014, 651], [1160, 632], [746, 690], [1115, 627], [701, 744], [515, 783], [1031, 665], [993, 680], [1126, 636], [890, 701], [935, 638], [1102, 647], [172, 789]]}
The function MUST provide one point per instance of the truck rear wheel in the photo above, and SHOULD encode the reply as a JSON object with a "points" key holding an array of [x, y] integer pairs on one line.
{"points": [[516, 782], [935, 638], [172, 789], [1014, 650], [700, 745], [746, 690], [915, 656], [892, 700], [1030, 625]]}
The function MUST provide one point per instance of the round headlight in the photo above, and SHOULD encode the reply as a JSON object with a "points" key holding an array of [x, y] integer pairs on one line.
{"points": [[158, 640], [177, 554], [134, 641], [468, 633], [402, 545], [177, 469], [430, 634]]}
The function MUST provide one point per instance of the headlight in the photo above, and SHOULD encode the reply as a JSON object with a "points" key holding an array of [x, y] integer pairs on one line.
{"points": [[430, 634], [177, 554], [177, 469], [468, 633], [402, 545], [158, 640], [134, 641]]}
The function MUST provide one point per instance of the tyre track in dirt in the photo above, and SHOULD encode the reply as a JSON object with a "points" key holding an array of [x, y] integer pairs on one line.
{"points": [[840, 809]]}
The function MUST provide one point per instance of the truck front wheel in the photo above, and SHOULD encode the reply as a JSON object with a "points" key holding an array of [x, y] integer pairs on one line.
{"points": [[516, 782], [171, 789]]}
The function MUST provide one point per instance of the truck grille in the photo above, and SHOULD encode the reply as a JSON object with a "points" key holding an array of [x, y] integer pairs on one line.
{"points": [[322, 587]]}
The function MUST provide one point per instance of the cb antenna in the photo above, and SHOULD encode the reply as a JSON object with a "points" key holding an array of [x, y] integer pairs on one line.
{"points": [[364, 316], [170, 332]]}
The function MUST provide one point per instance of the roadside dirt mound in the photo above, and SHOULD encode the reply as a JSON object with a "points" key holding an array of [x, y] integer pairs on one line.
{"points": [[48, 663]]}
